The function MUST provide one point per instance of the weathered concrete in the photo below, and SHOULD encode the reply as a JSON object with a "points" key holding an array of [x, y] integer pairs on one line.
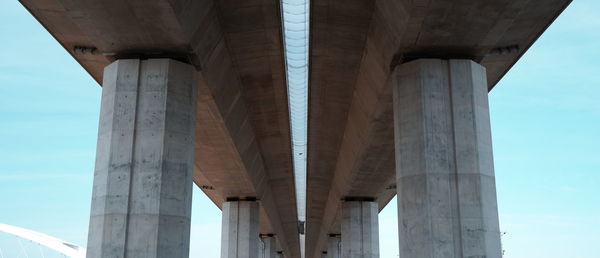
{"points": [[333, 246], [240, 230], [237, 50], [236, 46], [354, 45], [360, 229], [445, 173], [143, 177], [268, 246]]}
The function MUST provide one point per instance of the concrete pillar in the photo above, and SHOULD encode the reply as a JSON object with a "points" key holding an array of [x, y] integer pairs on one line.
{"points": [[333, 246], [360, 232], [445, 173], [240, 230], [141, 201], [269, 246]]}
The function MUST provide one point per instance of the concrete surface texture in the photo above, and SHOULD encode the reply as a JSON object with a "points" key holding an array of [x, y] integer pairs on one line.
{"points": [[269, 247], [355, 46], [445, 172], [334, 245], [243, 140], [360, 229], [142, 181], [242, 136], [240, 230]]}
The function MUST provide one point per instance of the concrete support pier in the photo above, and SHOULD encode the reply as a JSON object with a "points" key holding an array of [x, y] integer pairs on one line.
{"points": [[333, 246], [144, 159], [360, 230], [445, 173], [269, 246], [240, 230]]}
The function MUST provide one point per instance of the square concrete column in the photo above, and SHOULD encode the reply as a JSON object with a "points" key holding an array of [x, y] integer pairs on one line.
{"points": [[240, 230], [360, 230], [445, 173], [141, 201], [269, 247], [333, 246]]}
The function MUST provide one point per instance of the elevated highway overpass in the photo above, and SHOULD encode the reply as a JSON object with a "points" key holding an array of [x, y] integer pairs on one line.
{"points": [[196, 90]]}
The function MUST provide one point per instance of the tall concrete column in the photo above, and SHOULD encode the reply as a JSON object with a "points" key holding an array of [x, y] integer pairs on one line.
{"points": [[445, 173], [360, 232], [333, 246], [240, 230], [141, 201], [269, 247]]}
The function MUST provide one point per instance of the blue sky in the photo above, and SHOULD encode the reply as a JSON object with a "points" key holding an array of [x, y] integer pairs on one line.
{"points": [[545, 120]]}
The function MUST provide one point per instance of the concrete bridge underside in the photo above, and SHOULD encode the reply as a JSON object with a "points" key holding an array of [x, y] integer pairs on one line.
{"points": [[242, 132], [355, 47]]}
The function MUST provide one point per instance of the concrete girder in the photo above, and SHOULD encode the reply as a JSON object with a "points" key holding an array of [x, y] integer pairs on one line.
{"points": [[236, 47], [355, 45], [352, 150]]}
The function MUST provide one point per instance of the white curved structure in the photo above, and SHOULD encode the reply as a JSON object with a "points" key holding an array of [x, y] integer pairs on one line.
{"points": [[66, 248]]}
